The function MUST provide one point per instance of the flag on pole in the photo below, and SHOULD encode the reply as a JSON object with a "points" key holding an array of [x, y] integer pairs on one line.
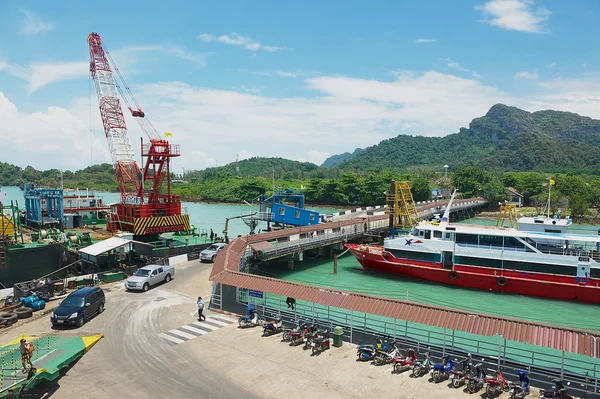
{"points": [[551, 182], [168, 134]]}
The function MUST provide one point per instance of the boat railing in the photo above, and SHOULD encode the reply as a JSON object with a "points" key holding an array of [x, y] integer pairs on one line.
{"points": [[492, 247], [549, 251]]}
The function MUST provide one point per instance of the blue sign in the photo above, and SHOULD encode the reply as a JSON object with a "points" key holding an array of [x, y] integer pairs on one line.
{"points": [[255, 294]]}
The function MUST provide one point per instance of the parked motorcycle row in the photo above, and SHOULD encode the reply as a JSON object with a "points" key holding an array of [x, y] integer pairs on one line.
{"points": [[459, 373]]}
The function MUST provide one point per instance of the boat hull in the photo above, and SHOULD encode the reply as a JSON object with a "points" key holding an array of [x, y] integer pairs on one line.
{"points": [[488, 279]]}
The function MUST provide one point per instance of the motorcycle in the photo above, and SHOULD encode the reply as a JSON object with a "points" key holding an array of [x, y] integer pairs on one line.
{"points": [[386, 356], [288, 333], [311, 336], [367, 352], [299, 338], [558, 390], [476, 382], [402, 364], [458, 377], [517, 391], [321, 343], [442, 371], [422, 367], [495, 385], [272, 327]]}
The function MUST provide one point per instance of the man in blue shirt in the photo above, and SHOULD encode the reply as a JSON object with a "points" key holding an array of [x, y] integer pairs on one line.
{"points": [[201, 317]]}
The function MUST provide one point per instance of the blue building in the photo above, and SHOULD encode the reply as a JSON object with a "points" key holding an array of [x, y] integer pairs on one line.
{"points": [[43, 206], [286, 207]]}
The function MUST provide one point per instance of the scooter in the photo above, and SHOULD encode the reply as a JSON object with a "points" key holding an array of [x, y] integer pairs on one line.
{"points": [[442, 371], [402, 364], [320, 343], [517, 391], [385, 357], [272, 327], [558, 390], [476, 382], [367, 352], [250, 320], [495, 385], [458, 377], [422, 367]]}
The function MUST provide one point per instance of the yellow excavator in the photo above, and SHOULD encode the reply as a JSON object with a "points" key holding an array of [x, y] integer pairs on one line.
{"points": [[236, 217]]}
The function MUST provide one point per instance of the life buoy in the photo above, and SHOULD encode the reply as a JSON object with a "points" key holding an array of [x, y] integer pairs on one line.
{"points": [[453, 275], [501, 281]]}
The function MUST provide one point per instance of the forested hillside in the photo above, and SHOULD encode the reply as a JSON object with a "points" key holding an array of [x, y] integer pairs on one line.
{"points": [[507, 138]]}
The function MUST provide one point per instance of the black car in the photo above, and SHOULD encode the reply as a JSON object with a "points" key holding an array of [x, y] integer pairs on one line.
{"points": [[78, 307]]}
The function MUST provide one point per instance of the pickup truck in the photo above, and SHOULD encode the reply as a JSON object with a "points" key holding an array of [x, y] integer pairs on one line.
{"points": [[149, 275]]}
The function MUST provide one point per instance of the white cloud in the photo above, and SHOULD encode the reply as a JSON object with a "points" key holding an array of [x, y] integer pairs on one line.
{"points": [[421, 40], [33, 24], [286, 74], [38, 75], [552, 65], [344, 113], [235, 39], [514, 15], [533, 75], [458, 67]]}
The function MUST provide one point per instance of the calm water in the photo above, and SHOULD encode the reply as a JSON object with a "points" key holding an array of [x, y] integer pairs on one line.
{"points": [[203, 216], [350, 277]]}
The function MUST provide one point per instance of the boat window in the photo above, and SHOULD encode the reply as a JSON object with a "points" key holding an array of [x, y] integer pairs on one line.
{"points": [[512, 242], [447, 236], [420, 233], [493, 241], [462, 238], [427, 234], [437, 234], [552, 231]]}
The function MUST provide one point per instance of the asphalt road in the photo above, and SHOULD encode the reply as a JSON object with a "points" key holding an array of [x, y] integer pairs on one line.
{"points": [[132, 361]]}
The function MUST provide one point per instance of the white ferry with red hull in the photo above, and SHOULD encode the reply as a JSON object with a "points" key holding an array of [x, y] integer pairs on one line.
{"points": [[550, 265]]}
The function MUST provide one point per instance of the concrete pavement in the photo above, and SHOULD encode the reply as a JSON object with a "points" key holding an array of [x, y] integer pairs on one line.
{"points": [[135, 361]]}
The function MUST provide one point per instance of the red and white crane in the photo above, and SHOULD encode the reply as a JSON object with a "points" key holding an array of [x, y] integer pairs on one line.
{"points": [[147, 206]]}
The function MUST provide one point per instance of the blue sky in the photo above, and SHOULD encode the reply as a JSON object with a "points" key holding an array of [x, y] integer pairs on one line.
{"points": [[297, 80]]}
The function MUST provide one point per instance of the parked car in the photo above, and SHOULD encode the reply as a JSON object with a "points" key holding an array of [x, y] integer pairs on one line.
{"points": [[78, 307], [149, 275], [210, 253]]}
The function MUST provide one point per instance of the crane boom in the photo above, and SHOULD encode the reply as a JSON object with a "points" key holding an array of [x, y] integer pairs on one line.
{"points": [[127, 171]]}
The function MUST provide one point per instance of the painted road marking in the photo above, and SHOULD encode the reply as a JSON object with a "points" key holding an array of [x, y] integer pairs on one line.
{"points": [[194, 330], [182, 334], [171, 338], [223, 319], [204, 324]]}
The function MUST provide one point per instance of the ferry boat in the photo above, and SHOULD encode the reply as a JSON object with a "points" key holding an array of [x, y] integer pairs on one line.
{"points": [[538, 263]]}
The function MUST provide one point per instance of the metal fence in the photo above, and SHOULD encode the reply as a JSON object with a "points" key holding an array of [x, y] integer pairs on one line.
{"points": [[496, 352]]}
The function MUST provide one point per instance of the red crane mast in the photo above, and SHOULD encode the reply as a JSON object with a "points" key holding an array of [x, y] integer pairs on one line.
{"points": [[147, 206]]}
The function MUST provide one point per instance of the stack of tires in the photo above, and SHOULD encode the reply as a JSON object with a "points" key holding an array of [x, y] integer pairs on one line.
{"points": [[9, 318]]}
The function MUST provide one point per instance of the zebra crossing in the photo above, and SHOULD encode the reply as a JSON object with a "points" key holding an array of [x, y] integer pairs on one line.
{"points": [[196, 329]]}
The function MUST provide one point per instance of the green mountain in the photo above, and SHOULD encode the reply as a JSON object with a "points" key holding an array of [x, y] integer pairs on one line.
{"points": [[335, 160], [507, 138]]}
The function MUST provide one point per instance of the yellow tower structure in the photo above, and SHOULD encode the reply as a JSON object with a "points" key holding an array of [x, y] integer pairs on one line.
{"points": [[508, 212], [401, 205]]}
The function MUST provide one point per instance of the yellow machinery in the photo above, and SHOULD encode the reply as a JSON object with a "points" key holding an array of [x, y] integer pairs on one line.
{"points": [[508, 212], [401, 205]]}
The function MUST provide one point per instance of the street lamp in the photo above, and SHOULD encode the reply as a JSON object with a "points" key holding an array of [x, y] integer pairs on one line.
{"points": [[446, 171]]}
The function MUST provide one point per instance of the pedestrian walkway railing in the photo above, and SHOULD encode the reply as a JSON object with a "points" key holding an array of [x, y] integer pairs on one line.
{"points": [[542, 363]]}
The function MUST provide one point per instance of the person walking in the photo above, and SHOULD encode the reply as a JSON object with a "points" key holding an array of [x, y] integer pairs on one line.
{"points": [[212, 235], [26, 349], [201, 317]]}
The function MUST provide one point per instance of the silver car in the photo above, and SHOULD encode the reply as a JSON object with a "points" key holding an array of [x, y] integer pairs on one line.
{"points": [[210, 253], [149, 275]]}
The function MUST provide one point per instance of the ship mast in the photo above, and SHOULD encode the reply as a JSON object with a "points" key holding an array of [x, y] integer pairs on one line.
{"points": [[446, 216]]}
